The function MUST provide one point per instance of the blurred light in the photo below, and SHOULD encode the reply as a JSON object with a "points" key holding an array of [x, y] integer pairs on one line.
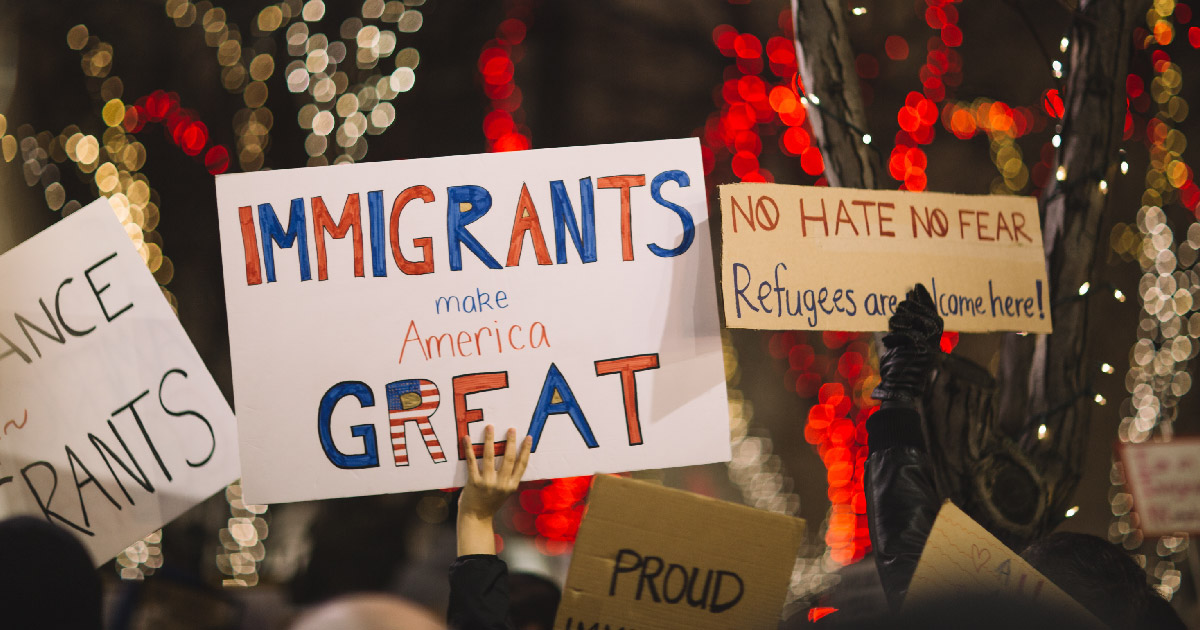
{"points": [[1124, 167], [1083, 288], [866, 138], [1041, 432], [1062, 45], [1100, 400], [1056, 65], [1073, 511], [1120, 297], [1106, 368], [1061, 174], [859, 10], [1103, 187]]}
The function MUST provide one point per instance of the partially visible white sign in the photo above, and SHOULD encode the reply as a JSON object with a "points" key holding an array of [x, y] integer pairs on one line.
{"points": [[1164, 478], [110, 424]]}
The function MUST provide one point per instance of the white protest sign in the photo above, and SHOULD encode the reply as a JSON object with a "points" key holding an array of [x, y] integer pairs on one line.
{"points": [[112, 425], [379, 311], [1164, 479], [817, 258]]}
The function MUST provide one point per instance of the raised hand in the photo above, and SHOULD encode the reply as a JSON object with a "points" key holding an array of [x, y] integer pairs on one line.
{"points": [[488, 487], [911, 348]]}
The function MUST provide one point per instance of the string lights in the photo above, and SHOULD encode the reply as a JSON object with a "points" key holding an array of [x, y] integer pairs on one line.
{"points": [[1168, 334], [112, 164]]}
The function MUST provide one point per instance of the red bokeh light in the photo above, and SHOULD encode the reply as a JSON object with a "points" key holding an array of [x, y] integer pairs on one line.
{"points": [[896, 47]]}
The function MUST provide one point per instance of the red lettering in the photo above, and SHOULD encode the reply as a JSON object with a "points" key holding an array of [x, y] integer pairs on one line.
{"points": [[804, 219], [1018, 221], [527, 221], [963, 222], [425, 265], [625, 182], [473, 384], [1002, 226], [323, 222], [843, 212], [626, 367], [250, 245]]}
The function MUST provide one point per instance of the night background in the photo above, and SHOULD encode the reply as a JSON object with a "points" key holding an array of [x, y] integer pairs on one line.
{"points": [[145, 101]]}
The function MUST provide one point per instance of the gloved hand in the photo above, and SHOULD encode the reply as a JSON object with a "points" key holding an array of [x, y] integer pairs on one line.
{"points": [[911, 349]]}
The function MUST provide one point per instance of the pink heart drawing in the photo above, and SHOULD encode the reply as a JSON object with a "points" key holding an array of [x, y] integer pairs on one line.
{"points": [[980, 557]]}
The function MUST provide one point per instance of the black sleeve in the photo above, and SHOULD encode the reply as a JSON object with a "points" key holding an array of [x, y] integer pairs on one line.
{"points": [[478, 593], [902, 501]]}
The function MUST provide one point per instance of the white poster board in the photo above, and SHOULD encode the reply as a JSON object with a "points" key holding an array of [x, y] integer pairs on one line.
{"points": [[111, 424], [379, 311]]}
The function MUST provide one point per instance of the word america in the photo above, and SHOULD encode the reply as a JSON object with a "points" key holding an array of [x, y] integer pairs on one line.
{"points": [[464, 205]]}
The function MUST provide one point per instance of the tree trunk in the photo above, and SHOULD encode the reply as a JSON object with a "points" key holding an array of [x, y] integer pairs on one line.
{"points": [[830, 82], [983, 436]]}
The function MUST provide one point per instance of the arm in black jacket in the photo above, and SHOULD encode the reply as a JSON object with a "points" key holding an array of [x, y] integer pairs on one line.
{"points": [[478, 593], [902, 501]]}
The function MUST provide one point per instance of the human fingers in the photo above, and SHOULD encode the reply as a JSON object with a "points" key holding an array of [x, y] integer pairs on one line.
{"points": [[489, 452], [523, 458], [510, 454], [472, 467]]}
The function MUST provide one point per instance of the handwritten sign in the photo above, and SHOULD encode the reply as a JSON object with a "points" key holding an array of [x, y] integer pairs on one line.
{"points": [[653, 558], [961, 557], [1164, 478], [378, 312], [112, 425], [797, 257]]}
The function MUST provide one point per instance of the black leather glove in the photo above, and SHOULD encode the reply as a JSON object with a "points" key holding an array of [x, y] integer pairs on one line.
{"points": [[911, 349]]}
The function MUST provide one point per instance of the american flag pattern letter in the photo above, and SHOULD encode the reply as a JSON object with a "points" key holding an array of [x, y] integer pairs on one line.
{"points": [[413, 400]]}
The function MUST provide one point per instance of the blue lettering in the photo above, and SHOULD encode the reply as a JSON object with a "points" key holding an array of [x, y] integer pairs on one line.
{"points": [[457, 220], [689, 226], [555, 383], [564, 221], [271, 230], [369, 458]]}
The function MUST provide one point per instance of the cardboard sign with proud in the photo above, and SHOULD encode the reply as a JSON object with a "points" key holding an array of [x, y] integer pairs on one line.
{"points": [[816, 258], [653, 558], [380, 312], [1164, 479], [112, 425], [963, 558]]}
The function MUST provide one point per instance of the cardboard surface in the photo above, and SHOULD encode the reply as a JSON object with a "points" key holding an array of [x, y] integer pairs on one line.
{"points": [[1164, 479], [653, 558], [112, 425], [458, 295], [816, 258], [961, 557]]}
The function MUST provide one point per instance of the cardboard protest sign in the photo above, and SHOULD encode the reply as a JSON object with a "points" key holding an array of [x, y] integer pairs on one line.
{"points": [[816, 258], [1164, 479], [379, 311], [653, 558], [961, 557], [112, 425]]}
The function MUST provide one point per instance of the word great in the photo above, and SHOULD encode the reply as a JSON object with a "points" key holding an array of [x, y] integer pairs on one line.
{"points": [[416, 400], [464, 205]]}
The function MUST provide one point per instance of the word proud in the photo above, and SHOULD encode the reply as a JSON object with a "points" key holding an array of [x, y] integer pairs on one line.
{"points": [[464, 205]]}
